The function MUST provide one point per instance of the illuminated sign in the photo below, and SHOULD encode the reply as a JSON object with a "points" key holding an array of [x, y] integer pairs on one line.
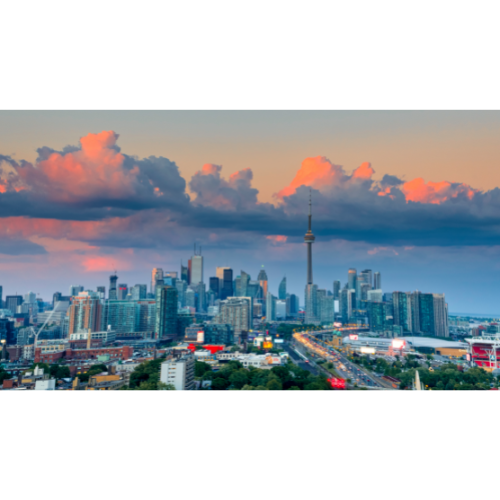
{"points": [[268, 345], [367, 350], [398, 343], [353, 336], [200, 336], [337, 324]]}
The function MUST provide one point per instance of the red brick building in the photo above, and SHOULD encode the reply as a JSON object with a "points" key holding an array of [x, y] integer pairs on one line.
{"points": [[114, 353]]}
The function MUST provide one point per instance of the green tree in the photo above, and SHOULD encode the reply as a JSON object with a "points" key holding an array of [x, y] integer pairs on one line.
{"points": [[274, 385], [239, 378], [161, 386], [220, 384], [200, 368]]}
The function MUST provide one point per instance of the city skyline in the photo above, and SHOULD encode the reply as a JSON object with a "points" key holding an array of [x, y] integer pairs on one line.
{"points": [[90, 209]]}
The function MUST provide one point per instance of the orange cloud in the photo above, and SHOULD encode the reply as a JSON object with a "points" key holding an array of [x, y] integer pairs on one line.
{"points": [[418, 190], [99, 263], [320, 173], [276, 239]]}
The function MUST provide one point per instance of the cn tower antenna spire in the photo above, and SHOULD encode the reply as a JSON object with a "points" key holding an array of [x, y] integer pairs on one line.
{"points": [[309, 240]]}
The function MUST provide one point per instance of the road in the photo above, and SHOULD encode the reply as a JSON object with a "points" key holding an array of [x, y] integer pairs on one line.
{"points": [[346, 369], [300, 361]]}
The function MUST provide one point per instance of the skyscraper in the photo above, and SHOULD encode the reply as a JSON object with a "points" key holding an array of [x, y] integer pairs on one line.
{"points": [[101, 290], [1, 295], [219, 273], [181, 292], [346, 299], [440, 315], [294, 305], [270, 307], [195, 265], [351, 279], [237, 312], [12, 301], [263, 282], [214, 285], [282, 289], [227, 283], [184, 273], [402, 310], [415, 311], [156, 274], [166, 312], [112, 287], [85, 313], [75, 290], [311, 304], [122, 291], [369, 276], [336, 290], [377, 281], [139, 292]]}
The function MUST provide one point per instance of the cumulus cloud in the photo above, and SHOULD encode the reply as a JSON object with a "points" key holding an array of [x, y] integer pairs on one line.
{"points": [[212, 190], [96, 194], [92, 181]]}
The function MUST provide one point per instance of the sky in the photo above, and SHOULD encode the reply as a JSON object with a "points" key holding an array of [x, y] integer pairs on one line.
{"points": [[412, 194]]}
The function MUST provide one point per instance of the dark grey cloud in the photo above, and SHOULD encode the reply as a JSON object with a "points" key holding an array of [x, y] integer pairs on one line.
{"points": [[20, 247]]}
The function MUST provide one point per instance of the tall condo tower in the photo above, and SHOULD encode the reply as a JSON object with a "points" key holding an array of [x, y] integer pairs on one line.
{"points": [[309, 240]]}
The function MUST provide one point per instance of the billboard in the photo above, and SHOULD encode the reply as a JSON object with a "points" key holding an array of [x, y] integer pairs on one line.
{"points": [[279, 341], [267, 345], [398, 343], [353, 336], [367, 350], [337, 325], [200, 336]]}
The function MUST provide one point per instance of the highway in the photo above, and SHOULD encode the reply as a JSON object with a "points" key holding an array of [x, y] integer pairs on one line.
{"points": [[300, 361], [343, 366]]}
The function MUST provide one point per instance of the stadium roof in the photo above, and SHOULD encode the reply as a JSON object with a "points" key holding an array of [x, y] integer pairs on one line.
{"points": [[428, 342]]}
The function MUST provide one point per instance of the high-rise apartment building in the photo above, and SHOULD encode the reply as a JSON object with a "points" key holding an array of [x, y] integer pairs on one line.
{"points": [[237, 312], [166, 312], [179, 372], [346, 304], [311, 304], [112, 287], [85, 313], [101, 290], [402, 311], [440, 315], [377, 281], [326, 308], [415, 311]]}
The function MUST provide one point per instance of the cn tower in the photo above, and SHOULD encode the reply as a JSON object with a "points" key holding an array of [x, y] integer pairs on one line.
{"points": [[309, 240]]}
